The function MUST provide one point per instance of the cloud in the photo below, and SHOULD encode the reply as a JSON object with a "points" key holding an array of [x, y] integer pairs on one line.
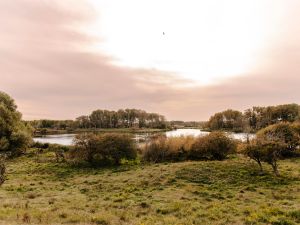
{"points": [[47, 68]]}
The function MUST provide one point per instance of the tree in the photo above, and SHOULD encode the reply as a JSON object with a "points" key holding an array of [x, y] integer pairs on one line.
{"points": [[283, 133], [83, 122], [261, 117], [227, 120], [273, 143], [15, 135], [265, 151]]}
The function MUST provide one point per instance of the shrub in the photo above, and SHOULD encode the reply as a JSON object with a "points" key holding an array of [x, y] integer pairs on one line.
{"points": [[104, 147], [272, 143], [60, 151], [15, 135], [265, 151], [253, 151], [284, 134], [168, 149], [217, 145]]}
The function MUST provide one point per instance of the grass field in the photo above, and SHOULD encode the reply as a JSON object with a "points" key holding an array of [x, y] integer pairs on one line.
{"points": [[40, 191]]}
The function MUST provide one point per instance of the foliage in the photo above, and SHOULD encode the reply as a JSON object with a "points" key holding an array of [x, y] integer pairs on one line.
{"points": [[104, 147], [283, 133], [227, 120], [217, 145], [272, 143], [15, 135], [254, 119], [265, 151], [128, 118], [164, 149], [261, 117]]}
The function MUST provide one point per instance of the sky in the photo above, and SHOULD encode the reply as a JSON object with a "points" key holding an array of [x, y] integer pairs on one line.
{"points": [[185, 59]]}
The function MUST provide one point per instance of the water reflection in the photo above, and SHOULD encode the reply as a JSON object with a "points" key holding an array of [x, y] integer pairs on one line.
{"points": [[67, 139]]}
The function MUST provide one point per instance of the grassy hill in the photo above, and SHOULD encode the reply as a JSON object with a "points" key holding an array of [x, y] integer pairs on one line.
{"points": [[41, 191]]}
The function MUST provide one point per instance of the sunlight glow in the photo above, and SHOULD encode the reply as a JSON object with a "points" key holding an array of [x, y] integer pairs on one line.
{"points": [[205, 41]]}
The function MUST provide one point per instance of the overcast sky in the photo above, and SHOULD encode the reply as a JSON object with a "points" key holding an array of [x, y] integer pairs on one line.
{"points": [[185, 59]]}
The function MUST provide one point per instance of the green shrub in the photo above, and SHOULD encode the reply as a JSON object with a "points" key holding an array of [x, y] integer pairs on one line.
{"points": [[15, 135], [268, 151], [217, 145], [284, 134], [164, 149], [104, 147]]}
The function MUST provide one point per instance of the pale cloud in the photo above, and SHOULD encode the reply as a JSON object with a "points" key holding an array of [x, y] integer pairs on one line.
{"points": [[46, 67]]}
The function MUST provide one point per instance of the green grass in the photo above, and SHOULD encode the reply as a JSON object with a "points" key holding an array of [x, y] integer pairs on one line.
{"points": [[40, 191]]}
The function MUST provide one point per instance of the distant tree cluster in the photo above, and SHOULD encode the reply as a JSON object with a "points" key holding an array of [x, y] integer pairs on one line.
{"points": [[227, 120], [254, 119], [122, 119], [128, 118]]}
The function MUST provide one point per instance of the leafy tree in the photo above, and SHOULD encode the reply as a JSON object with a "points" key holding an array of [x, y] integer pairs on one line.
{"points": [[254, 151], [265, 151], [283, 133], [261, 117], [83, 122], [273, 143], [15, 135], [217, 145], [226, 120]]}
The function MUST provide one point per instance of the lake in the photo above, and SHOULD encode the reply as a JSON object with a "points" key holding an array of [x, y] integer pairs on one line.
{"points": [[67, 139]]}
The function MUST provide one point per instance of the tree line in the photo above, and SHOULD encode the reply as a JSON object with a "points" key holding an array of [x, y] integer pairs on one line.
{"points": [[123, 118], [253, 119]]}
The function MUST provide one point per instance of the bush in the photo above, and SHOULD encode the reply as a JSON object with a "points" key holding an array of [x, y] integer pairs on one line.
{"points": [[284, 134], [164, 149], [272, 143], [265, 151], [104, 147], [15, 135], [217, 145]]}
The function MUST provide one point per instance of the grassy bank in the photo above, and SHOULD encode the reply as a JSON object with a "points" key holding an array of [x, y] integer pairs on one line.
{"points": [[40, 191]]}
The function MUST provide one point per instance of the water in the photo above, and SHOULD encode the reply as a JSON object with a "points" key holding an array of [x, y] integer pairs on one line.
{"points": [[67, 139], [62, 139], [186, 132]]}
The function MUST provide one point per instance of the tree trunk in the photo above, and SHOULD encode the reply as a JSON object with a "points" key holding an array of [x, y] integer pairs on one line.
{"points": [[275, 168], [260, 167], [261, 171]]}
